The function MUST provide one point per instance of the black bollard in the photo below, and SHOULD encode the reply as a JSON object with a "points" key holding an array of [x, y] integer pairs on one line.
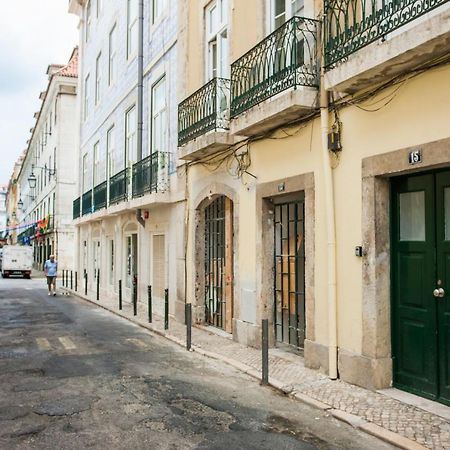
{"points": [[166, 309], [76, 281], [188, 317], [63, 279], [71, 280], [98, 284], [85, 283], [150, 312], [120, 295], [135, 296], [265, 351]]}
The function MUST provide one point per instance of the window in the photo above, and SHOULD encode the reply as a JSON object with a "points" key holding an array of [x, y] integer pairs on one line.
{"points": [[216, 15], [111, 151], [112, 56], [132, 27], [130, 136], [283, 10], [98, 78], [88, 20], [99, 7], [50, 168], [96, 163], [85, 173], [86, 97], [158, 125], [158, 7], [56, 109]]}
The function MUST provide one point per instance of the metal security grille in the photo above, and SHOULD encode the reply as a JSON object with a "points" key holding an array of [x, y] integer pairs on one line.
{"points": [[289, 267], [215, 262]]}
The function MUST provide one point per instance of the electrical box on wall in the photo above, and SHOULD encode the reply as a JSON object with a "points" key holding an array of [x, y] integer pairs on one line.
{"points": [[334, 142], [359, 251]]}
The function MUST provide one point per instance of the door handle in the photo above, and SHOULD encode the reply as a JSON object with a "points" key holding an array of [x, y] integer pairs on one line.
{"points": [[439, 293]]}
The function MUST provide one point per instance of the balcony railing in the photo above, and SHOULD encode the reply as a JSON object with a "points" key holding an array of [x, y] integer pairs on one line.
{"points": [[118, 187], [100, 195], [205, 110], [86, 203], [353, 24], [285, 59], [151, 174], [76, 208]]}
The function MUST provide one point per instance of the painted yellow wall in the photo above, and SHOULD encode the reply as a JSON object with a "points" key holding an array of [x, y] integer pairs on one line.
{"points": [[418, 113]]}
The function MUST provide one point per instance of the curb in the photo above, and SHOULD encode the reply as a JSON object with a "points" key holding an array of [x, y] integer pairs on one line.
{"points": [[350, 419]]}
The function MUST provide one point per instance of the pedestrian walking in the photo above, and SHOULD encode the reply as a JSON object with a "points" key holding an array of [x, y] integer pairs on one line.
{"points": [[51, 270]]}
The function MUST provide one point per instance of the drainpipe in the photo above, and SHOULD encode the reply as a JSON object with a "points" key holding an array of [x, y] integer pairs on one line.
{"points": [[330, 221], [140, 93]]}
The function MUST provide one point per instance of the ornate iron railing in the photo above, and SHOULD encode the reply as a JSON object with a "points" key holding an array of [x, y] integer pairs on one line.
{"points": [[205, 110], [284, 59], [353, 24], [100, 196], [76, 208], [118, 189], [151, 174], [86, 203]]}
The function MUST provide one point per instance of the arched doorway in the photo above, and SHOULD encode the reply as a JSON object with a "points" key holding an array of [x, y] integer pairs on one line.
{"points": [[218, 263]]}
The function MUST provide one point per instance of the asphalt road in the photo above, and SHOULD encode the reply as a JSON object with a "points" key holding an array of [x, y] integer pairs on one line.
{"points": [[73, 376]]}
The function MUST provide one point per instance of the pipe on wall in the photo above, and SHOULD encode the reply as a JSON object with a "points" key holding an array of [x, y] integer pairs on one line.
{"points": [[330, 223], [140, 94]]}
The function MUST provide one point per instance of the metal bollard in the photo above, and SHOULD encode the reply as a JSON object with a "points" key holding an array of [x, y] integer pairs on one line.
{"points": [[149, 296], [166, 309], [188, 317], [98, 285], [63, 279], [135, 297], [71, 280], [76, 281], [265, 351], [120, 295], [85, 283]]}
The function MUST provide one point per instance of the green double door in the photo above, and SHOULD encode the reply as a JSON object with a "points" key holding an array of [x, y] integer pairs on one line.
{"points": [[420, 217]]}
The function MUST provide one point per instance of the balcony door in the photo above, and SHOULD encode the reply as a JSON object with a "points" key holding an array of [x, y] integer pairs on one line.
{"points": [[283, 10]]}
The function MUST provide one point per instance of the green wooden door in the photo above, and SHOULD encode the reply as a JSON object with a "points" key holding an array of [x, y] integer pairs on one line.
{"points": [[420, 218], [443, 281]]}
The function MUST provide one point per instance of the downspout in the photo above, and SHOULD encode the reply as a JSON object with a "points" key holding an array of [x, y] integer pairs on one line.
{"points": [[140, 94], [329, 218]]}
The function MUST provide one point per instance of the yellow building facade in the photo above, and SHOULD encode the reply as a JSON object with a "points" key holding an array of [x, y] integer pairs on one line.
{"points": [[319, 199]]}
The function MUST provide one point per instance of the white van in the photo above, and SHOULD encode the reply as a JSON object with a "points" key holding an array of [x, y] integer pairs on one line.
{"points": [[16, 260]]}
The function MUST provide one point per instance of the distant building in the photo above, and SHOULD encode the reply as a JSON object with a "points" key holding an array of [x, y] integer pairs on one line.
{"points": [[46, 182], [3, 214]]}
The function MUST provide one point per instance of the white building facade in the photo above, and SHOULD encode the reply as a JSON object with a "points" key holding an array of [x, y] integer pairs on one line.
{"points": [[46, 181], [129, 212]]}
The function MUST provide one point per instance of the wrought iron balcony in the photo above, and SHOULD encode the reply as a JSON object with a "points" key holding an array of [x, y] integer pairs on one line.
{"points": [[86, 203], [205, 110], [76, 208], [118, 190], [352, 24], [100, 195], [151, 174], [285, 59]]}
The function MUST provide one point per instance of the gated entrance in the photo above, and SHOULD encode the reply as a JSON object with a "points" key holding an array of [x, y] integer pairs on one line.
{"points": [[421, 284], [289, 271], [219, 263]]}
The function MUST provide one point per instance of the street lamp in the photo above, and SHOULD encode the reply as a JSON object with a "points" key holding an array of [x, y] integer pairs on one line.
{"points": [[32, 178], [20, 204]]}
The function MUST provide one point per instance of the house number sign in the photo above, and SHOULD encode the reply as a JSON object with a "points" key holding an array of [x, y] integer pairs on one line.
{"points": [[415, 157]]}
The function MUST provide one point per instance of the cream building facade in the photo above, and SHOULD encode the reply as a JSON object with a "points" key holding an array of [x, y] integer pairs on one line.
{"points": [[45, 183], [319, 182]]}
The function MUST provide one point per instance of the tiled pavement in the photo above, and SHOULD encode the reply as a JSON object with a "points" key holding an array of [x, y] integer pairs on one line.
{"points": [[368, 410]]}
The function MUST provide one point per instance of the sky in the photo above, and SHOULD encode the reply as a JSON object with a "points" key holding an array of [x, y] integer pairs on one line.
{"points": [[33, 34]]}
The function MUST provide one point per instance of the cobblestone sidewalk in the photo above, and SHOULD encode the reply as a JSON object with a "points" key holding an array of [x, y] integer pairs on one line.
{"points": [[403, 425]]}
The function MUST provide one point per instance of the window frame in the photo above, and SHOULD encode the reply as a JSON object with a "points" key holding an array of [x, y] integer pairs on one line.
{"points": [[131, 52], [98, 79], [86, 97], [112, 53], [154, 114], [130, 136]]}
